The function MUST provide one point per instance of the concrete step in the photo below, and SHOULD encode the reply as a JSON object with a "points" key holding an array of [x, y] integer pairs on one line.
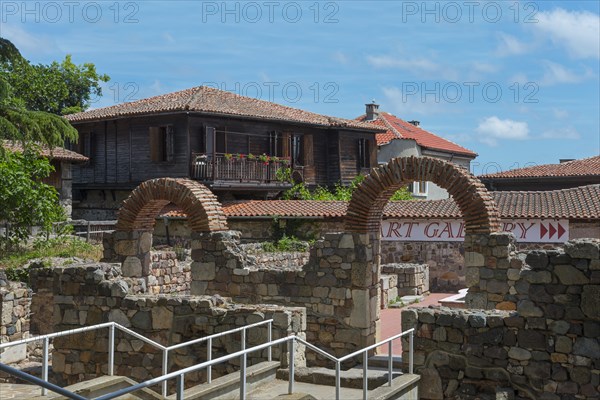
{"points": [[103, 385], [404, 387], [351, 378], [228, 386]]}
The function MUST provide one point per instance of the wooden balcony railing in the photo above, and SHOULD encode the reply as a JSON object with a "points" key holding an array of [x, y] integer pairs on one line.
{"points": [[221, 167]]}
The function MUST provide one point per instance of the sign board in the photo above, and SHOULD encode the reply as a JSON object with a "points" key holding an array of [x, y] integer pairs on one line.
{"points": [[453, 230]]}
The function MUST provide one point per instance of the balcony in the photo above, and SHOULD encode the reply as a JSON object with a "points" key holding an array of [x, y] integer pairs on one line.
{"points": [[231, 170]]}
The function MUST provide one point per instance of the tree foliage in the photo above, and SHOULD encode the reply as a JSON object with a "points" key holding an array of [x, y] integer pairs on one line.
{"points": [[59, 88], [26, 200], [17, 123], [338, 192]]}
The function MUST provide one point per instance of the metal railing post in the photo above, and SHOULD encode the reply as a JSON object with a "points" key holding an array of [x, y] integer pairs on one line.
{"points": [[208, 358], [243, 377], [45, 365], [365, 374], [111, 350], [411, 353], [269, 338], [291, 366], [390, 361], [337, 380], [180, 386], [165, 370], [243, 368]]}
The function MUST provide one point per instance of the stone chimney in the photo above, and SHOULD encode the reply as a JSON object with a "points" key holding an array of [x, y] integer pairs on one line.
{"points": [[372, 111], [415, 122]]}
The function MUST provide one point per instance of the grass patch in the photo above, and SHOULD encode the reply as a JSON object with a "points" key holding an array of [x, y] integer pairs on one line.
{"points": [[64, 247], [285, 244]]}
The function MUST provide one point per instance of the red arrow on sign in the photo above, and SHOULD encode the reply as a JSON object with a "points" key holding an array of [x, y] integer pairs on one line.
{"points": [[543, 231], [561, 230], [552, 231]]}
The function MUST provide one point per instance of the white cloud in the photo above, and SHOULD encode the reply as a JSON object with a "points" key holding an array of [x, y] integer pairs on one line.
{"points": [[560, 113], [510, 45], [27, 43], [340, 57], [556, 74], [577, 31], [408, 104], [493, 129], [561, 133], [168, 37], [420, 66]]}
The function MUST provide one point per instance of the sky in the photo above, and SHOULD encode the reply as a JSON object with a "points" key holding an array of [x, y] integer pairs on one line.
{"points": [[515, 81]]}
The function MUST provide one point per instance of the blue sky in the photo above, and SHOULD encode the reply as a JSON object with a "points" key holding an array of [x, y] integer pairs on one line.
{"points": [[515, 81]]}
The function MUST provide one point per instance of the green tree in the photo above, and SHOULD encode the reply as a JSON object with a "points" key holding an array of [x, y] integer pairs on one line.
{"points": [[59, 88], [29, 127], [26, 201]]}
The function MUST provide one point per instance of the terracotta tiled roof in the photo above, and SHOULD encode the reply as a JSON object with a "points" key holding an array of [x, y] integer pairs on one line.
{"points": [[577, 203], [57, 153], [209, 100], [397, 128], [584, 167]]}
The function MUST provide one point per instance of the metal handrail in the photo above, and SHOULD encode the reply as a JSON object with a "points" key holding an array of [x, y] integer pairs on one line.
{"points": [[166, 350], [111, 348], [40, 382], [179, 375]]}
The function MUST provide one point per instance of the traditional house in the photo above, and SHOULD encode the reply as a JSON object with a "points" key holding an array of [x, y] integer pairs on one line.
{"points": [[238, 146], [61, 178], [402, 138], [566, 174]]}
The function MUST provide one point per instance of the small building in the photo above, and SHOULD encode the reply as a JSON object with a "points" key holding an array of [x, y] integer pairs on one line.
{"points": [[403, 139], [239, 147], [566, 174], [63, 161]]}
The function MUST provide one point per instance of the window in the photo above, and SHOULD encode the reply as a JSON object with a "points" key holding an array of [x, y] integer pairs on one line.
{"points": [[364, 160], [161, 143], [84, 144], [419, 188], [297, 150]]}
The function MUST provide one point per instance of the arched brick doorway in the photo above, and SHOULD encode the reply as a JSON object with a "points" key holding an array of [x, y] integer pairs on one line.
{"points": [[365, 210], [132, 239], [367, 203]]}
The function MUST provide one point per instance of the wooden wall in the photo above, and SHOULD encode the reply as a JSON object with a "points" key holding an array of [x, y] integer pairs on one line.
{"points": [[121, 149]]}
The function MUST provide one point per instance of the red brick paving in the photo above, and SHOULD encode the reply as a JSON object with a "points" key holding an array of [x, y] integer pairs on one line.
{"points": [[390, 323]]}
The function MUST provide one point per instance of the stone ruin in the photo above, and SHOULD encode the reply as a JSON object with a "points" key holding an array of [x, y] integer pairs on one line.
{"points": [[334, 298]]}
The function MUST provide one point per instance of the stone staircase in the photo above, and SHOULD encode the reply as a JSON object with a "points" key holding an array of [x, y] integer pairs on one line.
{"points": [[267, 381]]}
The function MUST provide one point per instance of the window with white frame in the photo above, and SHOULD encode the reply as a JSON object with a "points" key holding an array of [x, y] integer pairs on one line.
{"points": [[419, 188]]}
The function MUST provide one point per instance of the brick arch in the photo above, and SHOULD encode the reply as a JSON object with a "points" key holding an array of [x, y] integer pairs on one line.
{"points": [[476, 204], [141, 208]]}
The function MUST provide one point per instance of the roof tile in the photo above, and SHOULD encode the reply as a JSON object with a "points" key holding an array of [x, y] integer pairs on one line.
{"points": [[584, 167], [577, 203], [397, 128], [56, 153], [209, 100]]}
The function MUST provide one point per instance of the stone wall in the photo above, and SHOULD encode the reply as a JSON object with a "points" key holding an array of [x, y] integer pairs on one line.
{"points": [[339, 285], [547, 348], [411, 279], [88, 295], [15, 304], [167, 274]]}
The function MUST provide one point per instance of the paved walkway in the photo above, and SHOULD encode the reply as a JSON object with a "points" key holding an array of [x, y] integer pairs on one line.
{"points": [[15, 391], [390, 323]]}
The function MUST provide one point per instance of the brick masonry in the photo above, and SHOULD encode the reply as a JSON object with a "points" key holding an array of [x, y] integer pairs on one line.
{"points": [[366, 206]]}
